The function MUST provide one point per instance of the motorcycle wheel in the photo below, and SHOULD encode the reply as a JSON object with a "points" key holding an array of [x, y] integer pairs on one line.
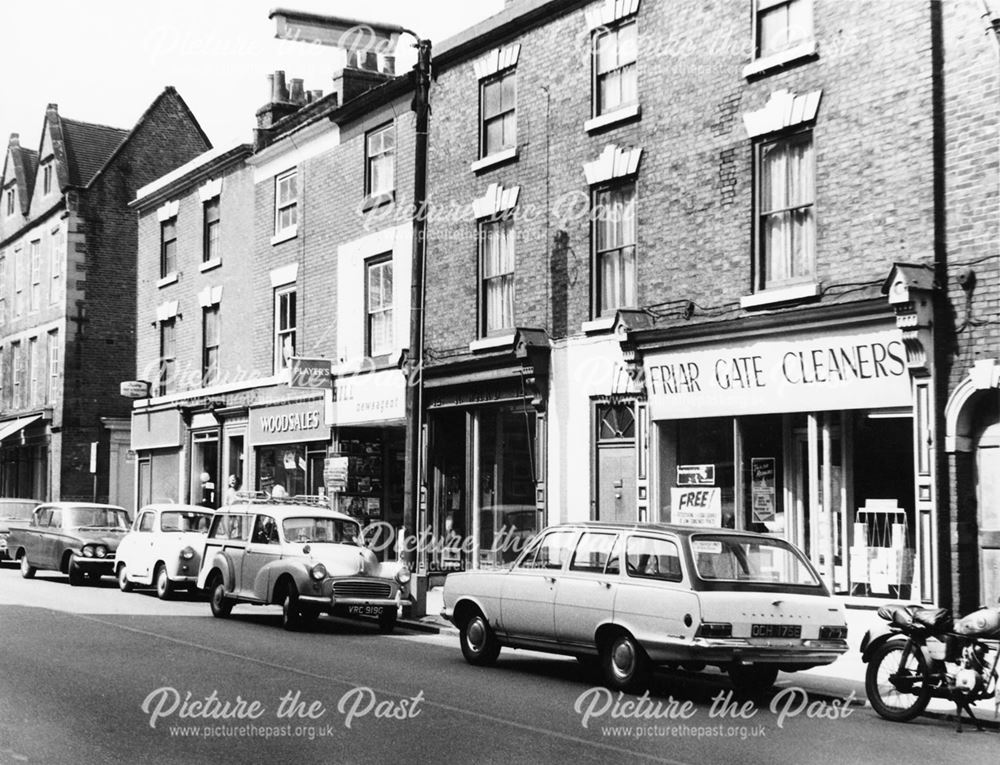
{"points": [[893, 658]]}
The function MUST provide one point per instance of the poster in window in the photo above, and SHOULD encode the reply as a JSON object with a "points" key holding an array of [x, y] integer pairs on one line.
{"points": [[696, 506], [762, 489]]}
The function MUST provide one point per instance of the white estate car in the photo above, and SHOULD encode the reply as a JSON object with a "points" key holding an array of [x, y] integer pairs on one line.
{"points": [[634, 596], [163, 548], [299, 554]]}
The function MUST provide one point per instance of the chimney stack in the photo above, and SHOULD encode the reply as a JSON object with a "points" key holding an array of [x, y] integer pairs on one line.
{"points": [[280, 104]]}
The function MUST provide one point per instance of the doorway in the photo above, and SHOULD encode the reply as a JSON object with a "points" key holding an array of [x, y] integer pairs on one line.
{"points": [[615, 463], [988, 502]]}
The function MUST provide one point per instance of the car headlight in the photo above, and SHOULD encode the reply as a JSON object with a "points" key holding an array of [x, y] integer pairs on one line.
{"points": [[100, 551], [88, 551], [187, 553], [403, 575], [318, 572]]}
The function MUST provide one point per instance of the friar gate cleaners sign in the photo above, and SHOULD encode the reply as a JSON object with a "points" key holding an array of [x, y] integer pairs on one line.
{"points": [[795, 373]]}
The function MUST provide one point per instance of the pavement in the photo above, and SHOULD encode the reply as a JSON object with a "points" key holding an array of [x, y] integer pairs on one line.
{"points": [[841, 677]]}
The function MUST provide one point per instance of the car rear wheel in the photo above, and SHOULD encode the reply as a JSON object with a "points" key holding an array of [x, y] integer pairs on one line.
{"points": [[164, 587], [75, 574], [625, 664], [479, 643], [291, 613], [123, 582], [753, 678], [27, 570], [221, 605]]}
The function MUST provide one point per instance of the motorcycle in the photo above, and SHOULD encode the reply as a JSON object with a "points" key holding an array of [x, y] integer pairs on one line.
{"points": [[925, 655]]}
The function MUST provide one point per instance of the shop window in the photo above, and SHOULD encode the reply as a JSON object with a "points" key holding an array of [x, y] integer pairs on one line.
{"points": [[497, 289], [290, 469], [614, 217], [168, 356], [615, 74], [168, 247], [781, 24], [380, 161], [285, 327], [211, 245], [210, 345], [378, 306], [786, 236], [498, 127], [286, 203], [204, 468]]}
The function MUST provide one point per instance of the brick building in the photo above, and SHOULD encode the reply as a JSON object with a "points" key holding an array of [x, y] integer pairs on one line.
{"points": [[311, 234], [67, 297], [690, 264]]}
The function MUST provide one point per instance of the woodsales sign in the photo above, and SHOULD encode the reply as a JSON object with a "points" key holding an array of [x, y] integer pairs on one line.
{"points": [[292, 423], [797, 373]]}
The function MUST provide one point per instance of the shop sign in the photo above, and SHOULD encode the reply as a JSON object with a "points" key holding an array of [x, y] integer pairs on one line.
{"points": [[696, 475], [696, 506], [335, 470], [762, 488], [801, 373], [134, 388], [369, 397], [157, 430], [290, 423], [314, 374]]}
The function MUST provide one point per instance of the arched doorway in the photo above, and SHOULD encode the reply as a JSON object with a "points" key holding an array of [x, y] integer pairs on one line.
{"points": [[987, 477]]}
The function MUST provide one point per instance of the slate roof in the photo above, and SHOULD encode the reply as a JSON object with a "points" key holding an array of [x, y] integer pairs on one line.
{"points": [[25, 164], [88, 147]]}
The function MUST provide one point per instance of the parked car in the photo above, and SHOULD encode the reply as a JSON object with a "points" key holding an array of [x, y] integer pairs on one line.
{"points": [[13, 510], [634, 596], [163, 548], [77, 538], [301, 555]]}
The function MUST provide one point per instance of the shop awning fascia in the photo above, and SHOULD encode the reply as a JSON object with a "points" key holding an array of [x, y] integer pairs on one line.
{"points": [[11, 427]]}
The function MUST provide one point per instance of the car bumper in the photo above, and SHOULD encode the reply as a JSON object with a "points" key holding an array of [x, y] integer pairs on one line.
{"points": [[102, 566], [810, 653]]}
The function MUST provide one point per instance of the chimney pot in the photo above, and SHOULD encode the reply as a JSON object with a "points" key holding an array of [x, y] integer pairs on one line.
{"points": [[297, 94], [316, 94], [270, 88], [280, 89]]}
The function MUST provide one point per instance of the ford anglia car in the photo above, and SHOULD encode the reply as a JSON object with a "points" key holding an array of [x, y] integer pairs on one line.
{"points": [[300, 555], [634, 596], [163, 549], [77, 538]]}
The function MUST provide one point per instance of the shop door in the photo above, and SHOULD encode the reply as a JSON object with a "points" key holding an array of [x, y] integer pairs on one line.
{"points": [[988, 496], [616, 484]]}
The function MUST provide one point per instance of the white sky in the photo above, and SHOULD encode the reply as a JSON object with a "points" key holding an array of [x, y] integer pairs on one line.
{"points": [[106, 60]]}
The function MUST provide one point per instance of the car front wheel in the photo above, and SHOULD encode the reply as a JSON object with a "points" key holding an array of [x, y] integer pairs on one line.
{"points": [[164, 587], [27, 570], [221, 605], [291, 613], [123, 582], [479, 643], [387, 621], [75, 574], [625, 664]]}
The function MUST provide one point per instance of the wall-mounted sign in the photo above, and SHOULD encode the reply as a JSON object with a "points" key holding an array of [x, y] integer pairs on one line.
{"points": [[369, 397], [696, 506], [291, 423], [841, 370], [762, 488], [696, 475], [314, 374], [335, 470], [134, 388]]}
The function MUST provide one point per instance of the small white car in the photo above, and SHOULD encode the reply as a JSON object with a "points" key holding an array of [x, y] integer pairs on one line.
{"points": [[163, 549], [634, 596]]}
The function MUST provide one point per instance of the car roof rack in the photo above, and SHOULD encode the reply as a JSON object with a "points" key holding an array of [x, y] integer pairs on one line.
{"points": [[263, 498]]}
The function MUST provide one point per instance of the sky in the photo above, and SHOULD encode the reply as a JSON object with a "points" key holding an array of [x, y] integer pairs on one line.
{"points": [[105, 61]]}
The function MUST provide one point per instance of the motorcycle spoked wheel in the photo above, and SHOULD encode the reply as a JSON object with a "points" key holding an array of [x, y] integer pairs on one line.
{"points": [[889, 659]]}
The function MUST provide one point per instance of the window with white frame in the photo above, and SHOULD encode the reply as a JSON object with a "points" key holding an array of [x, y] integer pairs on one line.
{"points": [[285, 326], [35, 263], [614, 62], [614, 218], [53, 381], [17, 363], [47, 178], [56, 254], [286, 202], [34, 359], [780, 25], [168, 356], [498, 97], [210, 335], [378, 306], [380, 160], [496, 242], [211, 245], [168, 247], [11, 196], [19, 298], [786, 224]]}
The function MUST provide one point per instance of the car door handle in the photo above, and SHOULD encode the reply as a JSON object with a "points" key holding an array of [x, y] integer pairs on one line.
{"points": [[606, 585], [550, 579]]}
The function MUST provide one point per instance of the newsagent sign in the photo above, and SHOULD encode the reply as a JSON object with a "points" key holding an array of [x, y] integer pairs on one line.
{"points": [[795, 373]]}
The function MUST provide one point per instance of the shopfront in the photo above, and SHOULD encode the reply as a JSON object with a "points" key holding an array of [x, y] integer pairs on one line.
{"points": [[290, 441], [810, 435], [24, 457], [157, 439]]}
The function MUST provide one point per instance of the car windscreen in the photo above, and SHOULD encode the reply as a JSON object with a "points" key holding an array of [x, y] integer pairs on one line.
{"points": [[317, 529], [175, 520], [96, 517], [721, 557]]}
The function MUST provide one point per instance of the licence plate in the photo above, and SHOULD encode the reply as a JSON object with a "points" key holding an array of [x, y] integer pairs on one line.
{"points": [[776, 630], [365, 610]]}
